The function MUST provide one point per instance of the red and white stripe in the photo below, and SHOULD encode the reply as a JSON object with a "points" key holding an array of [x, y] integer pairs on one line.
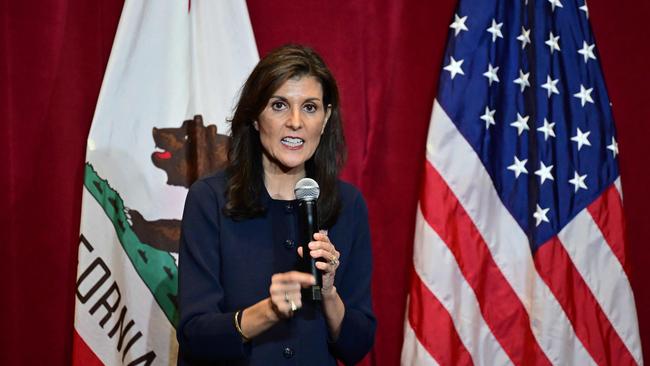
{"points": [[487, 300]]}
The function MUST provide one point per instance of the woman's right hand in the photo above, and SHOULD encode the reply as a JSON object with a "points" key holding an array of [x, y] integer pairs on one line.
{"points": [[285, 291]]}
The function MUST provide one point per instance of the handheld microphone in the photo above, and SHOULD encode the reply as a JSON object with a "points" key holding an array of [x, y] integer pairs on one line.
{"points": [[307, 192]]}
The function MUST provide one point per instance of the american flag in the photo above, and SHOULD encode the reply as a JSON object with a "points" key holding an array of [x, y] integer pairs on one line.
{"points": [[519, 253]]}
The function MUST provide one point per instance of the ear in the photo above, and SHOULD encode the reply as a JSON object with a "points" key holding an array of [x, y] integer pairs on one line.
{"points": [[256, 126], [328, 113]]}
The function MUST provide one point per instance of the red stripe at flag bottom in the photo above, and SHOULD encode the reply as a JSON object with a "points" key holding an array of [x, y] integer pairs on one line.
{"points": [[585, 314], [434, 327], [498, 302], [82, 355]]}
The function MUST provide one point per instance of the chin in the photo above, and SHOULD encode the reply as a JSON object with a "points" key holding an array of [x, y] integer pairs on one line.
{"points": [[288, 166], [288, 161]]}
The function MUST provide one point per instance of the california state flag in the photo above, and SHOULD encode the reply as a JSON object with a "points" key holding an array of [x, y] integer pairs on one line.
{"points": [[160, 123]]}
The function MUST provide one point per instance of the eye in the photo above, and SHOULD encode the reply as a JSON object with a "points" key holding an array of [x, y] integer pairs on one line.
{"points": [[310, 108], [278, 105]]}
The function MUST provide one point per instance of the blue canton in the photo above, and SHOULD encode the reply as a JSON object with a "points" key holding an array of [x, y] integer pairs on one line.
{"points": [[522, 82]]}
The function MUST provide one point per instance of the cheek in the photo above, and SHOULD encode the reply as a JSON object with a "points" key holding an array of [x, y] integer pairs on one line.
{"points": [[316, 141], [317, 133], [267, 141], [266, 131]]}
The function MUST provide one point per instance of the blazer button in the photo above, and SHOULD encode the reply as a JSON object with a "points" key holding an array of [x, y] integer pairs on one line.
{"points": [[288, 352], [289, 244], [288, 208]]}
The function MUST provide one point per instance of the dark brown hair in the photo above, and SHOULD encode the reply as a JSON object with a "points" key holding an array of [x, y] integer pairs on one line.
{"points": [[245, 172]]}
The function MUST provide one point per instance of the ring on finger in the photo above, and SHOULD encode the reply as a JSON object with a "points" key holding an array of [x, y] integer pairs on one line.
{"points": [[286, 297], [334, 261], [293, 305]]}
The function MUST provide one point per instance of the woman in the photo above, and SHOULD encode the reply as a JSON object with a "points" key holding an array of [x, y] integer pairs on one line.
{"points": [[239, 291]]}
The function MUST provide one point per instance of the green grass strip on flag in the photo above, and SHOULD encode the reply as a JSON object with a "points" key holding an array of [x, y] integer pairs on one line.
{"points": [[157, 268]]}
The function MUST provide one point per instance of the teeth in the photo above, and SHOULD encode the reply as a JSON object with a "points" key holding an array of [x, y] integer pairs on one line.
{"points": [[292, 141]]}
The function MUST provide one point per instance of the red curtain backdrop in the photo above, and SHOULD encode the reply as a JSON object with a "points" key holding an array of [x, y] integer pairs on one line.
{"points": [[386, 55]]}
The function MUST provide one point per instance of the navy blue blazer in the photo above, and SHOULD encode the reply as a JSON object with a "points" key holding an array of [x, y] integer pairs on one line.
{"points": [[226, 265]]}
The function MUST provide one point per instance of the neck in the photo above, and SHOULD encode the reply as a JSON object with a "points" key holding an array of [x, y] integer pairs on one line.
{"points": [[280, 183]]}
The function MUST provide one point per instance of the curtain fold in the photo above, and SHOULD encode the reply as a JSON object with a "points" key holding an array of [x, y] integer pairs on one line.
{"points": [[53, 59]]}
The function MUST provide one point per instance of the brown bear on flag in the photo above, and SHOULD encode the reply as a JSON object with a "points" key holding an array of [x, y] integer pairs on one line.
{"points": [[186, 154]]}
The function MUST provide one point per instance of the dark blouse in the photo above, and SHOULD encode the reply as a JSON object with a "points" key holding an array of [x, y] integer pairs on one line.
{"points": [[226, 265]]}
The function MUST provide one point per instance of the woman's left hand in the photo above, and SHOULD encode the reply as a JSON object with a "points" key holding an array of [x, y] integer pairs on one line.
{"points": [[323, 248]]}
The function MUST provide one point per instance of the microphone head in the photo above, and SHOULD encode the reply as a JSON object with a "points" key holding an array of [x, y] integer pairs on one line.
{"points": [[307, 190]]}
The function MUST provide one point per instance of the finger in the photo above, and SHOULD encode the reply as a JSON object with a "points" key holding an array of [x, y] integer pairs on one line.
{"points": [[279, 290], [298, 302], [282, 287], [300, 251], [322, 236], [302, 278], [293, 276], [287, 302], [326, 266], [321, 245], [281, 306], [326, 255], [286, 294], [321, 253], [295, 297]]}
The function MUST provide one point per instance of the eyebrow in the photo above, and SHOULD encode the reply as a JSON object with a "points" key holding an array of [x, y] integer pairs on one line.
{"points": [[312, 99]]}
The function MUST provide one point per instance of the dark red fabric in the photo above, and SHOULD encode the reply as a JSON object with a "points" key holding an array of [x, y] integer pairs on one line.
{"points": [[623, 48], [53, 58], [386, 55]]}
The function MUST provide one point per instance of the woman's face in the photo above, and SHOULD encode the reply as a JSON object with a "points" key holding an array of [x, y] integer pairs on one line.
{"points": [[291, 125]]}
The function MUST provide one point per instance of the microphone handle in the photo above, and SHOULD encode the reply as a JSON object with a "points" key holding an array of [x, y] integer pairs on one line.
{"points": [[308, 227]]}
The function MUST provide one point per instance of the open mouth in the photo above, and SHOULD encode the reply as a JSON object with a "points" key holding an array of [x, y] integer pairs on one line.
{"points": [[162, 154], [292, 142]]}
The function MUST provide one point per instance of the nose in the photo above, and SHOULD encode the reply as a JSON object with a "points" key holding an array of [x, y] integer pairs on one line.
{"points": [[295, 120]]}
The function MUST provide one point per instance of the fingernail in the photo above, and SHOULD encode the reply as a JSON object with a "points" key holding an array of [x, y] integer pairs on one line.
{"points": [[312, 245]]}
